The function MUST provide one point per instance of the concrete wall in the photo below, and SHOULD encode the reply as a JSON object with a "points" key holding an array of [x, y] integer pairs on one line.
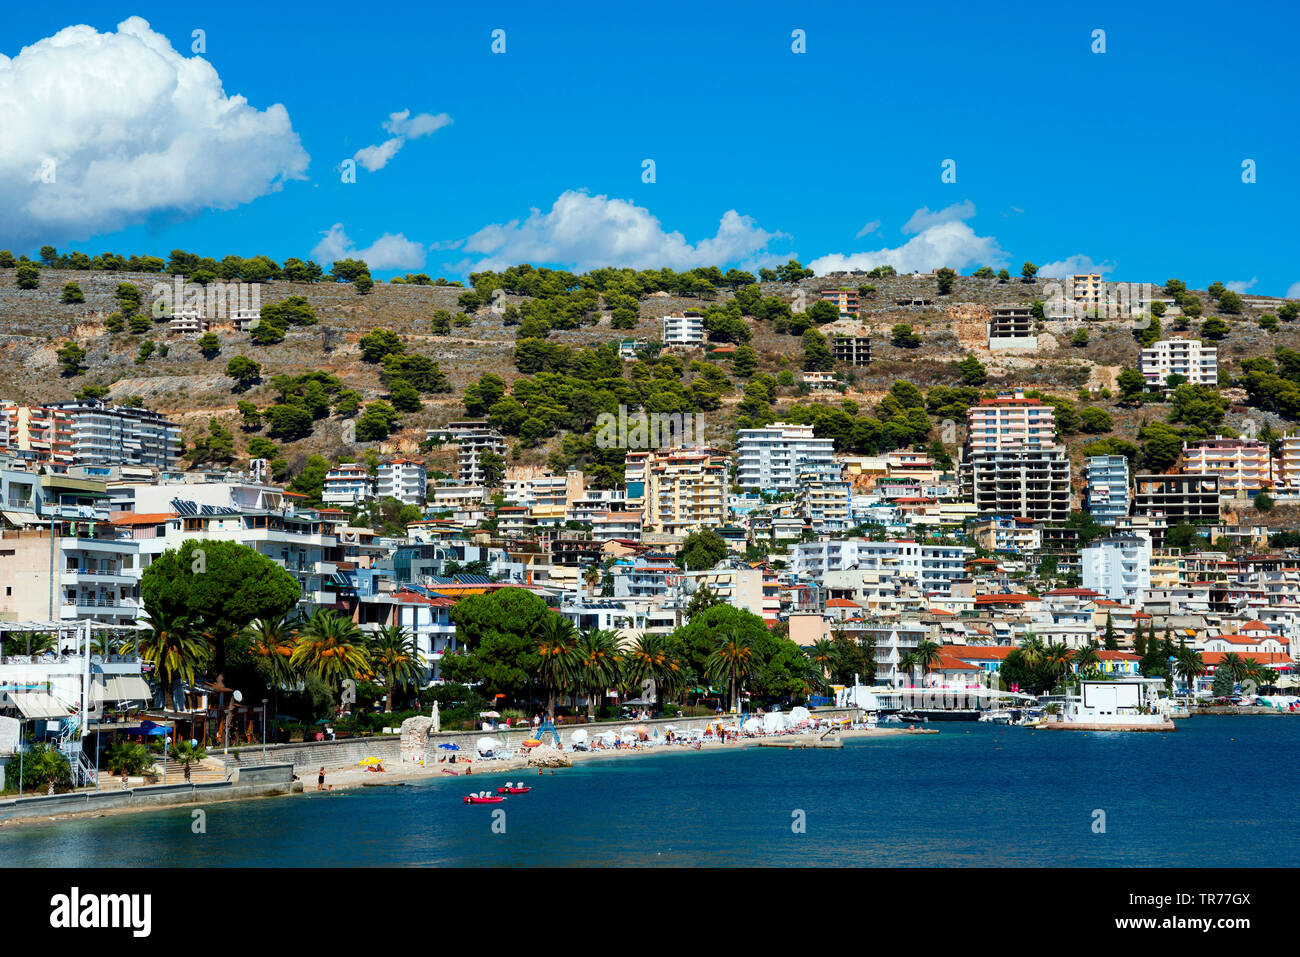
{"points": [[262, 782], [307, 757]]}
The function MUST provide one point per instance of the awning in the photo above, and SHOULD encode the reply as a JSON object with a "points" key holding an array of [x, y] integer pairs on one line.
{"points": [[38, 704], [120, 688]]}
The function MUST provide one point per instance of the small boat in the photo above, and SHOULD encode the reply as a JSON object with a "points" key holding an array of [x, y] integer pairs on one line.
{"points": [[999, 716], [910, 717], [509, 789], [483, 799]]}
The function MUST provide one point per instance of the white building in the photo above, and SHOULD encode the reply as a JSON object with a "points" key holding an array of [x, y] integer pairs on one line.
{"points": [[402, 479], [1198, 363], [772, 458], [1118, 567], [933, 568], [684, 330], [347, 484]]}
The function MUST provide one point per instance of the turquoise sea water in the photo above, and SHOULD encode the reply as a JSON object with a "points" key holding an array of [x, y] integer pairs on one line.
{"points": [[1218, 792]]}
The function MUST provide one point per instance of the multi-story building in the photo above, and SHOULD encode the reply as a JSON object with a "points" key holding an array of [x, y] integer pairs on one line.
{"points": [[825, 500], [1286, 465], [845, 299], [818, 381], [104, 434], [1197, 363], [37, 434], [1186, 498], [853, 349], [684, 489], [1009, 421], [347, 484], [1241, 465], [1026, 483], [773, 457], [932, 568], [472, 439], [1007, 533], [402, 479], [1118, 567], [1011, 327], [686, 330], [84, 570], [1106, 492]]}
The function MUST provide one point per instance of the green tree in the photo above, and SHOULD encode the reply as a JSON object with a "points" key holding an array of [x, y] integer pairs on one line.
{"points": [[72, 359], [377, 344], [177, 653], [1214, 328], [244, 371], [903, 337], [396, 660], [944, 278], [217, 586], [376, 422], [209, 345], [598, 664], [701, 550], [331, 648], [816, 353], [733, 662], [27, 276], [972, 371], [72, 294], [497, 633]]}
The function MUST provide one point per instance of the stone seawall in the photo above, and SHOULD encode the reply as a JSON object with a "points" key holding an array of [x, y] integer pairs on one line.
{"points": [[308, 757], [266, 781]]}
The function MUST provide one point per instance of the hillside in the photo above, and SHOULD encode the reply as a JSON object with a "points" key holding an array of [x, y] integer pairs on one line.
{"points": [[190, 388]]}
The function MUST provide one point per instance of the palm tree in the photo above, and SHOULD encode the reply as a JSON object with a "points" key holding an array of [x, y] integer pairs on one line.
{"points": [[1189, 667], [330, 647], [1234, 665], [1086, 661], [557, 648], [825, 657], [1057, 657], [396, 659], [271, 642], [732, 661], [1031, 651], [655, 658], [187, 754], [171, 646], [927, 654], [598, 664]]}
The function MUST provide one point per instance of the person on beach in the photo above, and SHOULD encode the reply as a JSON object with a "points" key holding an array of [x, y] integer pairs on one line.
{"points": [[320, 780]]}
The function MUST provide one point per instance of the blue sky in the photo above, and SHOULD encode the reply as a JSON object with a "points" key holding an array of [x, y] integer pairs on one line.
{"points": [[1129, 159]]}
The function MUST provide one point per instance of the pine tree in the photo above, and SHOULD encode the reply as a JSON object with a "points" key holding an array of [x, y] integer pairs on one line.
{"points": [[1109, 641]]}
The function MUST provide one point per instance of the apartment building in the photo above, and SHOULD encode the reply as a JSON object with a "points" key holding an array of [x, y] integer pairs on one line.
{"points": [[773, 457], [1031, 483], [1106, 488], [931, 567], [104, 434], [845, 300], [825, 500], [347, 484], [1286, 465], [1189, 358], [686, 330], [402, 479], [1009, 421], [683, 489], [1118, 567], [853, 349], [72, 570], [1186, 498], [1011, 327], [36, 434], [1007, 533], [472, 439], [1241, 465]]}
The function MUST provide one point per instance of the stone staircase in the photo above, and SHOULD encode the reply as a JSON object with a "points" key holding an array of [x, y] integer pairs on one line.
{"points": [[201, 772]]}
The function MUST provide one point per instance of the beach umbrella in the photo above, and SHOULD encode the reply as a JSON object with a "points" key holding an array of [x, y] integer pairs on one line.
{"points": [[450, 746], [752, 726], [628, 732], [488, 714], [799, 714], [609, 737], [578, 737], [371, 761], [487, 744], [641, 729]]}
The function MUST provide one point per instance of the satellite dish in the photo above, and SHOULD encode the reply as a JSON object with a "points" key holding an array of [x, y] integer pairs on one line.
{"points": [[239, 696]]}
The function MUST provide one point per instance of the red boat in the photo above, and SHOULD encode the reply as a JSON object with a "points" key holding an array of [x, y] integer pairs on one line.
{"points": [[512, 790], [483, 799]]}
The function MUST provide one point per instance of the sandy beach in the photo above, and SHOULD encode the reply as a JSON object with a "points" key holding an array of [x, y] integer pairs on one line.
{"points": [[481, 768]]}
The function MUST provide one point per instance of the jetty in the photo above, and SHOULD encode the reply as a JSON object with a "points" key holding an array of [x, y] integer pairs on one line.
{"points": [[802, 741]]}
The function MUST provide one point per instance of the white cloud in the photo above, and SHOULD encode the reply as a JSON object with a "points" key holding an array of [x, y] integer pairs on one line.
{"points": [[1294, 291], [129, 129], [1241, 285], [923, 218], [868, 229], [389, 251], [942, 239], [1076, 265], [404, 127], [584, 231]]}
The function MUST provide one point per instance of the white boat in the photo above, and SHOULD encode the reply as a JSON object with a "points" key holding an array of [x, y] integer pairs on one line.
{"points": [[996, 716]]}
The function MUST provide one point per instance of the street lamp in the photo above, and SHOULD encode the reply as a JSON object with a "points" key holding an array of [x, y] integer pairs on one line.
{"points": [[264, 701]]}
